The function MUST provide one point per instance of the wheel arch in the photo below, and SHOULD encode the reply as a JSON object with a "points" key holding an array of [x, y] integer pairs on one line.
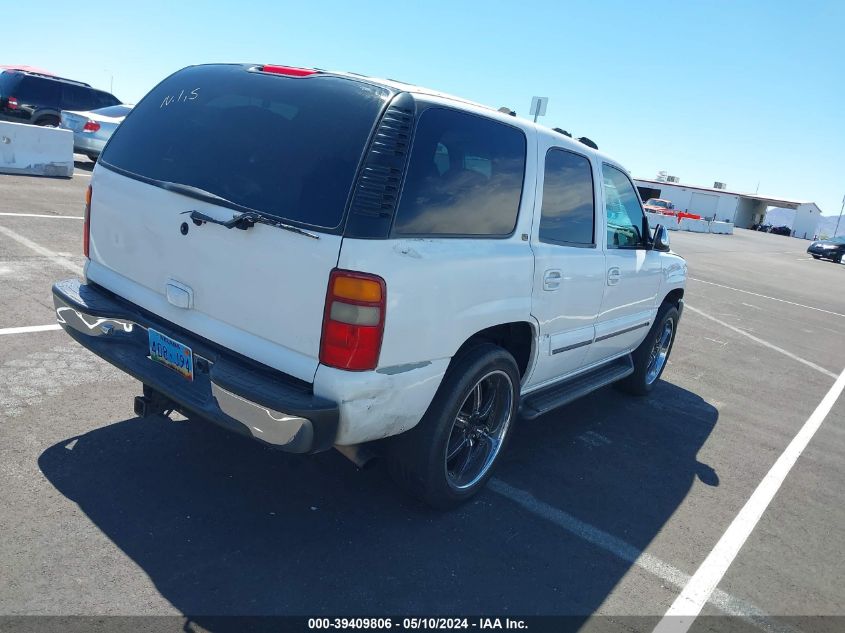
{"points": [[518, 338]]}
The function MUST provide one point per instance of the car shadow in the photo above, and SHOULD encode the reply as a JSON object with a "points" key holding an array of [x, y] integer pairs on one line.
{"points": [[84, 164], [223, 525]]}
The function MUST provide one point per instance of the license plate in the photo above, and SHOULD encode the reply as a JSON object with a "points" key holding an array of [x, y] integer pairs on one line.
{"points": [[170, 353]]}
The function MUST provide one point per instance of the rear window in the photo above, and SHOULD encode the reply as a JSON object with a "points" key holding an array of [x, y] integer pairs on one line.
{"points": [[114, 111], [464, 177], [8, 82], [289, 147]]}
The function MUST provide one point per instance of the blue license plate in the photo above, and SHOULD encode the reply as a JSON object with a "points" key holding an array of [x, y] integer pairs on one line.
{"points": [[173, 354]]}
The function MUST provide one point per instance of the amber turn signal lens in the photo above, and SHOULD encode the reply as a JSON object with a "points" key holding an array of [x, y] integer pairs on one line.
{"points": [[357, 289]]}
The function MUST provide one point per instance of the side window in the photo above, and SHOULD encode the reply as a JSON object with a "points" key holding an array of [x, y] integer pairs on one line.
{"points": [[40, 92], [75, 98], [464, 176], [568, 212], [625, 218]]}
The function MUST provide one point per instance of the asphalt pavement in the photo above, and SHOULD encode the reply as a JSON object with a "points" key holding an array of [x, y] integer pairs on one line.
{"points": [[601, 510]]}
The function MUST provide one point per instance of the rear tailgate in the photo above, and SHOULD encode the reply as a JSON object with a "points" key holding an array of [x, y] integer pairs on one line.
{"points": [[286, 147]]}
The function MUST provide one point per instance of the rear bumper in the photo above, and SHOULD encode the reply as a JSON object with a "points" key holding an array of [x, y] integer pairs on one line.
{"points": [[83, 144], [227, 389]]}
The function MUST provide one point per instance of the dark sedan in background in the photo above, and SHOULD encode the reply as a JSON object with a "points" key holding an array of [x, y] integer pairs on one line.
{"points": [[832, 249]]}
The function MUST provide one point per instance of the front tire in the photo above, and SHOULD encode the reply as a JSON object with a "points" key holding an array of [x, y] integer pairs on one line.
{"points": [[652, 356], [449, 456], [817, 256]]}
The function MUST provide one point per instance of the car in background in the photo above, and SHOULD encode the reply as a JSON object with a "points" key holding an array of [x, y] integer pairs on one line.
{"points": [[832, 249], [92, 129], [658, 205], [38, 99], [781, 230]]}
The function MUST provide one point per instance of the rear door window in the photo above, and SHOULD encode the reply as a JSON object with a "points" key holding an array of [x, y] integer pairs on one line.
{"points": [[40, 92], [464, 177], [568, 210], [286, 146]]}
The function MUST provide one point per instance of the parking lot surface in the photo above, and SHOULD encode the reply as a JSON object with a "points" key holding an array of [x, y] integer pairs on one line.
{"points": [[603, 508]]}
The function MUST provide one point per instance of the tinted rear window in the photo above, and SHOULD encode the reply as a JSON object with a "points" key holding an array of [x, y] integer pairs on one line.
{"points": [[37, 91], [114, 111], [464, 176], [286, 146], [8, 82]]}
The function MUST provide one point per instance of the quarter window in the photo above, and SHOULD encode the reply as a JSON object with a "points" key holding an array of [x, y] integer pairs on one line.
{"points": [[568, 211], [464, 177], [625, 218]]}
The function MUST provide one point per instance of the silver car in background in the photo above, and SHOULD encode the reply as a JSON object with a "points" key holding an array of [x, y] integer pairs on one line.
{"points": [[92, 129]]}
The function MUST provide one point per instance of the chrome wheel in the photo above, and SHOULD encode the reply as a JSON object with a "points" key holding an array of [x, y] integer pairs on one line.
{"points": [[479, 430], [660, 352]]}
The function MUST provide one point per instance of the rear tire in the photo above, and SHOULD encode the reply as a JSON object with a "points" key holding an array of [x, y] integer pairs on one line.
{"points": [[449, 456], [652, 356]]}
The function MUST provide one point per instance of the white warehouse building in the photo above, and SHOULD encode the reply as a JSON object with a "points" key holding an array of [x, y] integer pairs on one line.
{"points": [[743, 209]]}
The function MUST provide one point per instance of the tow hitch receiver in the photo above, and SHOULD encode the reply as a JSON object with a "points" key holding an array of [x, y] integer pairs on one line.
{"points": [[153, 403]]}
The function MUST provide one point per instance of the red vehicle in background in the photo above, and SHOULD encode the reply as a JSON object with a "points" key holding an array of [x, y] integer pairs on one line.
{"points": [[658, 205], [665, 207]]}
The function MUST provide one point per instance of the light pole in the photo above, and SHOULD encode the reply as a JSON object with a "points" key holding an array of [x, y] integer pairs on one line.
{"points": [[839, 219]]}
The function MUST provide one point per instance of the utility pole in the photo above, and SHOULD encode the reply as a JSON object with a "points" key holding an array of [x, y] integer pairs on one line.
{"points": [[839, 219]]}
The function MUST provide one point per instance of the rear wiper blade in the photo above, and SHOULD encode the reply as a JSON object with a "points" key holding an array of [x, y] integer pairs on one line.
{"points": [[247, 220]]}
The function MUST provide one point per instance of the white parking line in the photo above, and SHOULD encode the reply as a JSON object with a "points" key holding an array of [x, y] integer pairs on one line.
{"points": [[701, 586], [756, 294], [756, 339], [45, 252], [629, 553], [43, 215], [30, 328]]}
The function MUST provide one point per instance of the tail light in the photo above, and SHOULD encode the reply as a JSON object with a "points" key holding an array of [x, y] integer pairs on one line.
{"points": [[91, 126], [290, 71], [353, 321], [12, 103], [86, 227]]}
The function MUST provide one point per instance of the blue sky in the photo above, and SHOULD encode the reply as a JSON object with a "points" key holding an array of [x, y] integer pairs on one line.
{"points": [[741, 92]]}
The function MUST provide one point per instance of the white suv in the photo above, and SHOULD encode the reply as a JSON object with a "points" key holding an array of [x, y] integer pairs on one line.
{"points": [[320, 259]]}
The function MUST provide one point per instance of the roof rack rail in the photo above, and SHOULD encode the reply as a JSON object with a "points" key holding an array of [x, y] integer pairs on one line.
{"points": [[46, 76], [506, 110], [561, 131], [587, 142]]}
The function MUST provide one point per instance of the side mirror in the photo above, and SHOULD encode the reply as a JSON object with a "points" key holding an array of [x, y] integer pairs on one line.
{"points": [[661, 239]]}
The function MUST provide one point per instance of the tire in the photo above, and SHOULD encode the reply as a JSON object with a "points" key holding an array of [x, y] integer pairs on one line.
{"points": [[649, 368], [483, 378], [92, 157], [47, 121], [817, 256], [837, 259]]}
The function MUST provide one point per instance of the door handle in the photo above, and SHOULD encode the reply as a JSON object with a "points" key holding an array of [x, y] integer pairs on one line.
{"points": [[552, 279], [614, 274]]}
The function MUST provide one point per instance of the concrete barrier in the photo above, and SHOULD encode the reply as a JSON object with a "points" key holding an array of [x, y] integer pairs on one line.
{"points": [[696, 226], [655, 218], [724, 228], [35, 150]]}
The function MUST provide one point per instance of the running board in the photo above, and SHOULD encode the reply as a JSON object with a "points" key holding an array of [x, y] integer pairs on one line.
{"points": [[536, 404]]}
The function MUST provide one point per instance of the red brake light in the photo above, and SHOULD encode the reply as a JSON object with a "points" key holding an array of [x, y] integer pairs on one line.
{"points": [[288, 70], [91, 126], [86, 226], [12, 103], [353, 320]]}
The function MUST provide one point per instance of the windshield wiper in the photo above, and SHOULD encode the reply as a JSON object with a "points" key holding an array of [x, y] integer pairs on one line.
{"points": [[247, 220]]}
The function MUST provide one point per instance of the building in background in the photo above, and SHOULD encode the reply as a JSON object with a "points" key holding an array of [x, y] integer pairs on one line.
{"points": [[743, 209]]}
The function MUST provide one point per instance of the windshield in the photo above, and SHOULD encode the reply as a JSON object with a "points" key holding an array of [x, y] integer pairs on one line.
{"points": [[287, 147], [657, 203]]}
